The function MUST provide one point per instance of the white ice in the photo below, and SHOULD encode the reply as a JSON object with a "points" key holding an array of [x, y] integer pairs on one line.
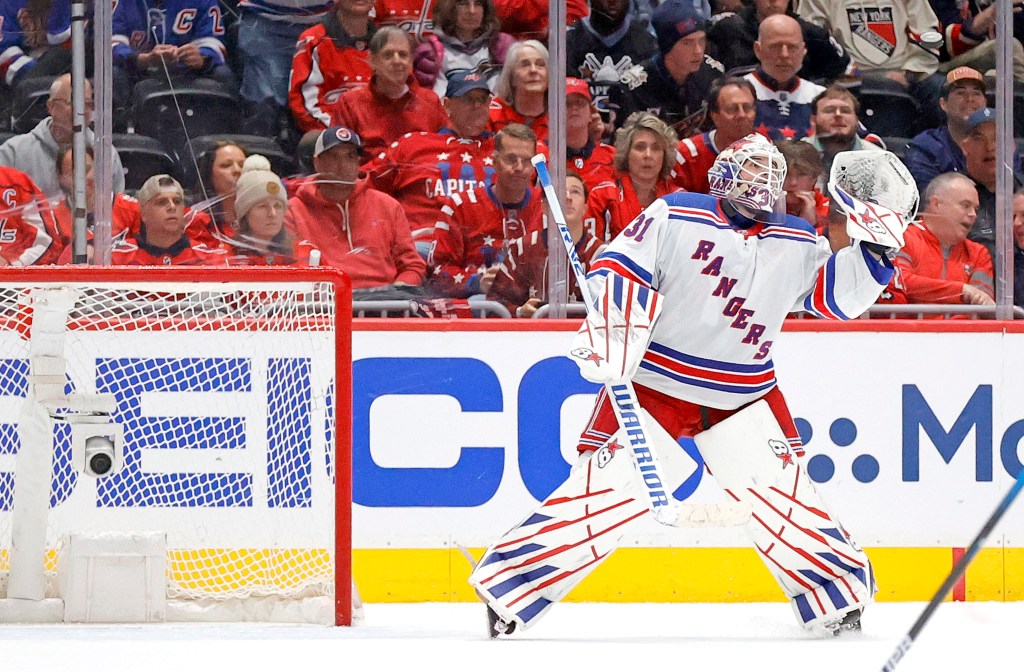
{"points": [[975, 636]]}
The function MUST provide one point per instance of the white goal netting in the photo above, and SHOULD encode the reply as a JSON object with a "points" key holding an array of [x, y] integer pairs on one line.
{"points": [[225, 394]]}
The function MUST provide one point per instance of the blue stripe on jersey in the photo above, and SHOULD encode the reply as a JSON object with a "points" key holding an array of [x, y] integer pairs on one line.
{"points": [[644, 275], [830, 285], [786, 235], [701, 382], [706, 221], [881, 270], [710, 363]]}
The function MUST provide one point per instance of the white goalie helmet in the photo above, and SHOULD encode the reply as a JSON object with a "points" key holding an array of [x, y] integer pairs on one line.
{"points": [[876, 176], [749, 174]]}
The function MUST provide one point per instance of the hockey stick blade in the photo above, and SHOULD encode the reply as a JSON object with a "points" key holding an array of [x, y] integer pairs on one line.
{"points": [[627, 409], [958, 570]]}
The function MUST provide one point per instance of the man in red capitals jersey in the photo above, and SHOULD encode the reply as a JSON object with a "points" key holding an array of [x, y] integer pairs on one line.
{"points": [[394, 103], [420, 170], [330, 59], [412, 16], [732, 106], [26, 223], [521, 283], [592, 159], [161, 240], [470, 237]]}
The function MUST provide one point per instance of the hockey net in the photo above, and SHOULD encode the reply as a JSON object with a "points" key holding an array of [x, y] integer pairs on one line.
{"points": [[232, 390]]}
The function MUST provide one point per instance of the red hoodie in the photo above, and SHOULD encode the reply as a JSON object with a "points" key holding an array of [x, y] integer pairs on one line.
{"points": [[367, 236]]}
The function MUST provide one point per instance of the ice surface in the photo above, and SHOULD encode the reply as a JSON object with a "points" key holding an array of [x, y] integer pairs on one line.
{"points": [[628, 637]]}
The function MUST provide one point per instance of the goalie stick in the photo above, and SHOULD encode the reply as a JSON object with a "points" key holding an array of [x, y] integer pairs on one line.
{"points": [[664, 509], [958, 570]]}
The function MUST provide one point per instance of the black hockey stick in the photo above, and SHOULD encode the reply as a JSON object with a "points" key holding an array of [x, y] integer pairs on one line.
{"points": [[954, 576]]}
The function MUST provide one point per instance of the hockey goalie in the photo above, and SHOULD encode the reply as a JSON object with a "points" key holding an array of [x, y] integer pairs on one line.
{"points": [[688, 301]]}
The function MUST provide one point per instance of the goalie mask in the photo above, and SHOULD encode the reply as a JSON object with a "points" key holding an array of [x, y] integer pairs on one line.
{"points": [[749, 175]]}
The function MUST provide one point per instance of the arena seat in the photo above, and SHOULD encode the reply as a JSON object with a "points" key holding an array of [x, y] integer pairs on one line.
{"points": [[172, 115], [28, 103], [142, 157], [888, 112], [280, 162], [897, 146]]}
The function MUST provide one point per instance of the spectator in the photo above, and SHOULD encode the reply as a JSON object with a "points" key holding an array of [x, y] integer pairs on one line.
{"points": [[731, 107], [528, 19], [27, 223], [594, 160], [35, 39], [268, 31], [970, 31], [521, 96], [979, 148], [679, 76], [883, 41], [937, 150], [331, 58], [161, 239], [421, 170], [834, 124], [804, 170], [783, 97], [124, 212], [166, 45], [358, 230], [416, 17], [521, 283], [1018, 248], [393, 104], [261, 201], [219, 171], [607, 48], [939, 264], [732, 42], [466, 39], [644, 157], [472, 233], [35, 153]]}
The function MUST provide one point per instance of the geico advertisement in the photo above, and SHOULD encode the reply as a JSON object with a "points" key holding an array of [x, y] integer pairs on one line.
{"points": [[910, 436], [457, 435]]}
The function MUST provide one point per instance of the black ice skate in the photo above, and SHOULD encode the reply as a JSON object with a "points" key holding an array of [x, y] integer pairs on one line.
{"points": [[849, 623], [497, 627]]}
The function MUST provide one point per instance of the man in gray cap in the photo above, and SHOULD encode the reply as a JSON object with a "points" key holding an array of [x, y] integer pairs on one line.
{"points": [[161, 238], [979, 148], [679, 76]]}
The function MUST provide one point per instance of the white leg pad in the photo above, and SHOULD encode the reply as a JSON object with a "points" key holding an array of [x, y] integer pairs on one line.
{"points": [[539, 561], [813, 559]]}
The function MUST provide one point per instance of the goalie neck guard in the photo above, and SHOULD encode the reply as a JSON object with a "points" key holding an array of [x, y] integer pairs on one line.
{"points": [[749, 175]]}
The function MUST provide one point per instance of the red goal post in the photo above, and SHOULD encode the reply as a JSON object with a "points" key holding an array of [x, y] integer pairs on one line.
{"points": [[231, 388]]}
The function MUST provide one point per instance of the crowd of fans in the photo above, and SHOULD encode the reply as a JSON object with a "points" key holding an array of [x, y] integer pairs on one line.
{"points": [[416, 121]]}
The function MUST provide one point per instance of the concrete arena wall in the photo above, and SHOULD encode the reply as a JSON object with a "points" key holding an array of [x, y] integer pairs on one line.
{"points": [[912, 429]]}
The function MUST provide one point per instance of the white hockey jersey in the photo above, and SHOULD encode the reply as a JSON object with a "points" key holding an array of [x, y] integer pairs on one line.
{"points": [[726, 292]]}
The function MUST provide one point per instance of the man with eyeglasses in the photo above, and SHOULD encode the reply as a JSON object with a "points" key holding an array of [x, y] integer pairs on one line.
{"points": [[35, 153], [835, 123], [472, 233], [421, 170]]}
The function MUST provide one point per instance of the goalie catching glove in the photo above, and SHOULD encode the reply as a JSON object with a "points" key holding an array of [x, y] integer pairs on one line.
{"points": [[613, 339]]}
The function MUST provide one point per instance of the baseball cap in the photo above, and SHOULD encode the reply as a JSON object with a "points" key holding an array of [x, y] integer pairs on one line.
{"points": [[577, 86], [462, 82], [964, 75], [979, 117], [331, 137], [158, 184], [673, 20]]}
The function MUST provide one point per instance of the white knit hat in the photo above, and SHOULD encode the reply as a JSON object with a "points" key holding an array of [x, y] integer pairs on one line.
{"points": [[256, 183]]}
